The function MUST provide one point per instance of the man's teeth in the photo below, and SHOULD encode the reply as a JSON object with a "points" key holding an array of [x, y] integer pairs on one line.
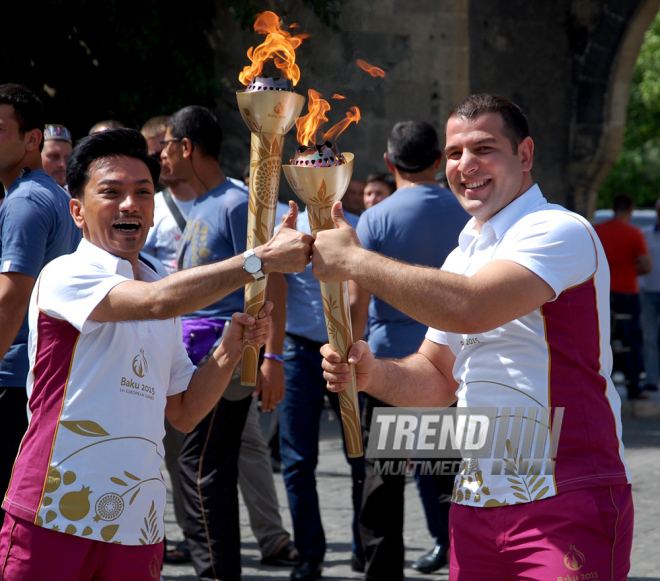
{"points": [[472, 185], [129, 226]]}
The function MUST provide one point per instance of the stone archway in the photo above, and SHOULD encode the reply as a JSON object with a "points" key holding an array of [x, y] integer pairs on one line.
{"points": [[589, 174]]}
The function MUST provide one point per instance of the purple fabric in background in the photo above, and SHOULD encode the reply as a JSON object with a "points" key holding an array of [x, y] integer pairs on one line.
{"points": [[199, 335]]}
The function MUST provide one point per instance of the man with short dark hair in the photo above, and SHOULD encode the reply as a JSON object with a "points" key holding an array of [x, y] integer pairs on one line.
{"points": [[216, 228], [419, 223], [377, 187], [87, 499], [57, 147], [519, 317], [35, 228], [628, 257]]}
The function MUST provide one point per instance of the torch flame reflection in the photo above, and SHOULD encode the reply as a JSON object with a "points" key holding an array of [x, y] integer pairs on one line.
{"points": [[308, 126], [372, 70], [279, 46]]}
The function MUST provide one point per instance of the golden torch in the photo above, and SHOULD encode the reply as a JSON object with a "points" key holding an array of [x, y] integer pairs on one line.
{"points": [[269, 108], [319, 175]]}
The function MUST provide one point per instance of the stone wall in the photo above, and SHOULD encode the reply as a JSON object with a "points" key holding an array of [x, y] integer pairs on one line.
{"points": [[421, 44], [568, 63]]}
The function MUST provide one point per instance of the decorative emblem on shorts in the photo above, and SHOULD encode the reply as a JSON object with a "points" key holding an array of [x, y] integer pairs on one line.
{"points": [[140, 365], [574, 559]]}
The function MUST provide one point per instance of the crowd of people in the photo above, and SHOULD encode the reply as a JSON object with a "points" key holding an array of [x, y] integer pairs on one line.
{"points": [[122, 266]]}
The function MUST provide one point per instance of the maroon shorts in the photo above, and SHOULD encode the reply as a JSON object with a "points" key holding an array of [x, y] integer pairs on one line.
{"points": [[574, 536], [29, 552]]}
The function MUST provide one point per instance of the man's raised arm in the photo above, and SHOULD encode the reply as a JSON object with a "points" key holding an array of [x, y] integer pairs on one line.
{"points": [[190, 290], [498, 293]]}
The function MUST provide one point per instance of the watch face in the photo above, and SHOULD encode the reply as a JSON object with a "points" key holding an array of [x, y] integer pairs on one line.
{"points": [[252, 264]]}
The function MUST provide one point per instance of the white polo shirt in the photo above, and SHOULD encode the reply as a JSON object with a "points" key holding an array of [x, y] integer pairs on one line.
{"points": [[557, 356], [89, 464]]}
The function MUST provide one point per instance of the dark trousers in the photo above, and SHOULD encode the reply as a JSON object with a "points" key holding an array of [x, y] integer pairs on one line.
{"points": [[381, 519], [208, 469], [629, 330], [299, 415], [13, 425]]}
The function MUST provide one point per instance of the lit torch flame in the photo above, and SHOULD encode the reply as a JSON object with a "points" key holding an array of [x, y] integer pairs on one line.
{"points": [[308, 126], [372, 70], [279, 46]]}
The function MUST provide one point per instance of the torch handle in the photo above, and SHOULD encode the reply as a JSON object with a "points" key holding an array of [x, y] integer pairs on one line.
{"points": [[340, 337], [336, 307], [265, 166]]}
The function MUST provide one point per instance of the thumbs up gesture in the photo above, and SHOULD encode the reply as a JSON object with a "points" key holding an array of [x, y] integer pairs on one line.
{"points": [[334, 252], [289, 250]]}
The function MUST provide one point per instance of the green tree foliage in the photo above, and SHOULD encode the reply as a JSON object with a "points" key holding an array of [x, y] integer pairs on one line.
{"points": [[637, 171], [123, 59]]}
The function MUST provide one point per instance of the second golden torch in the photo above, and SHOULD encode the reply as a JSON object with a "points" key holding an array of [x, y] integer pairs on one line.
{"points": [[319, 175], [269, 108]]}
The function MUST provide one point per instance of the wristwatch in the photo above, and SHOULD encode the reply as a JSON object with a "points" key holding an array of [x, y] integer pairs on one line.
{"points": [[252, 265]]}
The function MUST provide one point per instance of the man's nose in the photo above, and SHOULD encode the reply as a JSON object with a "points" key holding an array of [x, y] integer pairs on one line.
{"points": [[468, 162]]}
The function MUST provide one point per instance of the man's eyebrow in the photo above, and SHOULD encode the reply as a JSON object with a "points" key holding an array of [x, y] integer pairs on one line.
{"points": [[119, 182], [451, 148]]}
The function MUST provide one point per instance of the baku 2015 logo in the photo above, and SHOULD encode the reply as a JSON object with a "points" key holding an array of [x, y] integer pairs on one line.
{"points": [[140, 366], [574, 559]]}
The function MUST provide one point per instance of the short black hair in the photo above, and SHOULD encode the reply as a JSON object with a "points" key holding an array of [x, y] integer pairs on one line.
{"points": [[386, 178], [515, 121], [413, 146], [28, 108], [200, 126], [111, 143], [623, 203]]}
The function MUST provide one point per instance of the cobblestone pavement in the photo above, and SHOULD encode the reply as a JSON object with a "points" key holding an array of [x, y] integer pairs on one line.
{"points": [[642, 440]]}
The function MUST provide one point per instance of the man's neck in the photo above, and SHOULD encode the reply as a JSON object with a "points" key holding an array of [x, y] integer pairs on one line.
{"points": [[181, 190], [408, 179], [205, 176], [622, 216], [31, 162]]}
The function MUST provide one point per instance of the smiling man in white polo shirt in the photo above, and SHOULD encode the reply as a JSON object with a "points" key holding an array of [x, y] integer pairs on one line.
{"points": [[519, 317], [107, 364]]}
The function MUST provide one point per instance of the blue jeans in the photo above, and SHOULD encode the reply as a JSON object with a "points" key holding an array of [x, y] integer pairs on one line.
{"points": [[299, 416], [650, 330]]}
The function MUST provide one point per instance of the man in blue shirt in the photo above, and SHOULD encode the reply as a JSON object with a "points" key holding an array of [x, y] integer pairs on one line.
{"points": [[418, 224], [35, 228], [216, 229]]}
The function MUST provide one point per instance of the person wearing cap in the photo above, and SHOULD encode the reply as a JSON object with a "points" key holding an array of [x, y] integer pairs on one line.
{"points": [[57, 147], [419, 223]]}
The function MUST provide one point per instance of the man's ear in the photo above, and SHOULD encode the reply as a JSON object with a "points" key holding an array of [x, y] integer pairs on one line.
{"points": [[77, 209], [526, 153], [33, 139], [438, 162], [388, 163], [188, 147]]}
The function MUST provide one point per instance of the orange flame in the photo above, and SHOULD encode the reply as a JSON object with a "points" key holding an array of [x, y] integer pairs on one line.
{"points": [[338, 96], [352, 116], [372, 70], [308, 126], [279, 46]]}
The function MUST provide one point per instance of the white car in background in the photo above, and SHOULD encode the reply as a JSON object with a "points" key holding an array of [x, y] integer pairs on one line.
{"points": [[640, 217]]}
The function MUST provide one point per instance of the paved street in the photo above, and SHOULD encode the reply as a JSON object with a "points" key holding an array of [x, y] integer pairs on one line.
{"points": [[642, 440]]}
